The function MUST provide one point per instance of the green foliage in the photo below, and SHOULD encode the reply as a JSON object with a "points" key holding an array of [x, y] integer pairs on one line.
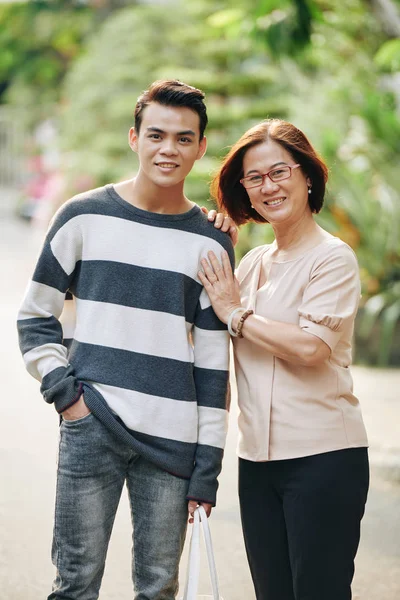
{"points": [[284, 25], [117, 66], [317, 70], [380, 320], [329, 67], [39, 40], [359, 138], [388, 56]]}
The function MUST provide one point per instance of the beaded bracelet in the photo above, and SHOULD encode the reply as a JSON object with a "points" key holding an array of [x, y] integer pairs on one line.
{"points": [[242, 319], [233, 313]]}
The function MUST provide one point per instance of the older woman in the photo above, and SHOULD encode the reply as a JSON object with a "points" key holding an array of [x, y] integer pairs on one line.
{"points": [[303, 466]]}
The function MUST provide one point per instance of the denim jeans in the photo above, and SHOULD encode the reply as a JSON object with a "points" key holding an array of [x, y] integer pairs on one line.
{"points": [[92, 468]]}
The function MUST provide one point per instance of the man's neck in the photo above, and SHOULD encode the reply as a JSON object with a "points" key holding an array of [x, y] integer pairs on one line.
{"points": [[170, 200]]}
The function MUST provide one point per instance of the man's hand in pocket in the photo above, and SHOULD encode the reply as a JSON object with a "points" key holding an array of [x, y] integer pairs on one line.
{"points": [[76, 411]]}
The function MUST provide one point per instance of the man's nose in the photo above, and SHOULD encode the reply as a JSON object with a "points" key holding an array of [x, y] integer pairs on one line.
{"points": [[169, 148]]}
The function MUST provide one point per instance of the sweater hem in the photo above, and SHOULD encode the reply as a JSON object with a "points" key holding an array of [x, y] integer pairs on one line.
{"points": [[99, 407], [200, 500]]}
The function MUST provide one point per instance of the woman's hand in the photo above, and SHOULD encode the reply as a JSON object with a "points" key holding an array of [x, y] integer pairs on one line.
{"points": [[223, 222], [220, 284]]}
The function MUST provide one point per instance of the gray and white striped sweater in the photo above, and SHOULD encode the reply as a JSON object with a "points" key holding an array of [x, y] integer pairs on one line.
{"points": [[138, 333]]}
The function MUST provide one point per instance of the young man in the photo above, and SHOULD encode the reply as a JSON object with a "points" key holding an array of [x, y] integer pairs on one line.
{"points": [[141, 378]]}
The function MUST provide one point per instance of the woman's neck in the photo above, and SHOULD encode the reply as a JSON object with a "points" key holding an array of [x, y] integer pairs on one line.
{"points": [[300, 235], [289, 237]]}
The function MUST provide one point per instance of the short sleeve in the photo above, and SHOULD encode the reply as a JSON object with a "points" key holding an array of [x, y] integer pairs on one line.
{"points": [[248, 261], [331, 298]]}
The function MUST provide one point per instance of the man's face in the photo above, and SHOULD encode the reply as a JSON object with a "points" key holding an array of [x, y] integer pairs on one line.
{"points": [[168, 143]]}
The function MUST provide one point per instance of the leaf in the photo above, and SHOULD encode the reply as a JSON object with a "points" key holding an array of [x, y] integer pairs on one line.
{"points": [[370, 314], [266, 6], [390, 318], [225, 18], [388, 56]]}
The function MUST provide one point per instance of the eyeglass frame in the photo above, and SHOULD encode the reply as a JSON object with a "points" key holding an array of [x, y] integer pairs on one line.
{"points": [[264, 175]]}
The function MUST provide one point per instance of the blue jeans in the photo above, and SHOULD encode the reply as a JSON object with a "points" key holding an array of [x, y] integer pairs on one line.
{"points": [[92, 468]]}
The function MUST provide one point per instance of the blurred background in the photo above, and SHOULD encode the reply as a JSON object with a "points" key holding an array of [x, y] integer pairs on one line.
{"points": [[71, 71], [70, 74]]}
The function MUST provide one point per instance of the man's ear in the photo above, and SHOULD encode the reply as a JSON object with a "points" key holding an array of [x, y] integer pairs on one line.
{"points": [[202, 148], [133, 139]]}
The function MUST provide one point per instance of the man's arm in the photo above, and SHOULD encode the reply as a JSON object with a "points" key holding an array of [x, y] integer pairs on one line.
{"points": [[211, 375], [40, 331]]}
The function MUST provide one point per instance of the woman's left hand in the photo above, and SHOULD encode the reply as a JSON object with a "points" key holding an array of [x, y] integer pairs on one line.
{"points": [[220, 284]]}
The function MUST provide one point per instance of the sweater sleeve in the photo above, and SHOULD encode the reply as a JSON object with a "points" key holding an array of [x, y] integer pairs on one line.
{"points": [[39, 328], [211, 376]]}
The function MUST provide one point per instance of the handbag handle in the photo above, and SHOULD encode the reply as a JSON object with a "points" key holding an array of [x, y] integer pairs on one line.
{"points": [[192, 579]]}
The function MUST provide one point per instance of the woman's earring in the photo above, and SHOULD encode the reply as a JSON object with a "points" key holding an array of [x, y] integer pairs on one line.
{"points": [[309, 189]]}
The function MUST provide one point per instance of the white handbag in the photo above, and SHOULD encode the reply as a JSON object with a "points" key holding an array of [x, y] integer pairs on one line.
{"points": [[193, 571]]}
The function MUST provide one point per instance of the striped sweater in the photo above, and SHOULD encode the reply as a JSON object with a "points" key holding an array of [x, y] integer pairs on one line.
{"points": [[115, 308]]}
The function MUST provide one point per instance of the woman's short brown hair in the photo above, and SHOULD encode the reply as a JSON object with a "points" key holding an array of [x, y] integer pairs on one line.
{"points": [[229, 193]]}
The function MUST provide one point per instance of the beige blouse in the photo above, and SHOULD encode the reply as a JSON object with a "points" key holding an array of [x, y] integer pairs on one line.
{"points": [[288, 410]]}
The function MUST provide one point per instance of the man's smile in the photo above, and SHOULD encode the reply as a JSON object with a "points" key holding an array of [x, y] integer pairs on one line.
{"points": [[167, 165]]}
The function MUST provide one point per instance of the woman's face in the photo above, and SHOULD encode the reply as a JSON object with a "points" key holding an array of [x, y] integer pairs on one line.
{"points": [[282, 202]]}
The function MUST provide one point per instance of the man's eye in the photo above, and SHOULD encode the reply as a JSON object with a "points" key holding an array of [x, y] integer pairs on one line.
{"points": [[185, 139], [155, 136]]}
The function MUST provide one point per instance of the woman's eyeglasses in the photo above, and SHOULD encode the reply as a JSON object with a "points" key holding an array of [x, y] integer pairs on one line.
{"points": [[275, 175]]}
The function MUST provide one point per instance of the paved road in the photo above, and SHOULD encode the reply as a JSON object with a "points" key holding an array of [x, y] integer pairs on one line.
{"points": [[28, 445]]}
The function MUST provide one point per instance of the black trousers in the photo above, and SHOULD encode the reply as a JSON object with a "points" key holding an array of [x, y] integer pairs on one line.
{"points": [[301, 523]]}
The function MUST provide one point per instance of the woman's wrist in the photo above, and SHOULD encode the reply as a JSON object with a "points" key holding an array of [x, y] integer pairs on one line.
{"points": [[236, 319], [236, 311], [245, 315]]}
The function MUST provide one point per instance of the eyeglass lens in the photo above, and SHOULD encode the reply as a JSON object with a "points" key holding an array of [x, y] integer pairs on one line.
{"points": [[275, 175]]}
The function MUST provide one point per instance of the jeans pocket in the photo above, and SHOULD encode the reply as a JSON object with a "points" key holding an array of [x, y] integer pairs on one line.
{"points": [[72, 421]]}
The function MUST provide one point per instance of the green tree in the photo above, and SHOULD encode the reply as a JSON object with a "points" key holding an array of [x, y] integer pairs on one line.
{"points": [[39, 40], [341, 65], [331, 68], [192, 43]]}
